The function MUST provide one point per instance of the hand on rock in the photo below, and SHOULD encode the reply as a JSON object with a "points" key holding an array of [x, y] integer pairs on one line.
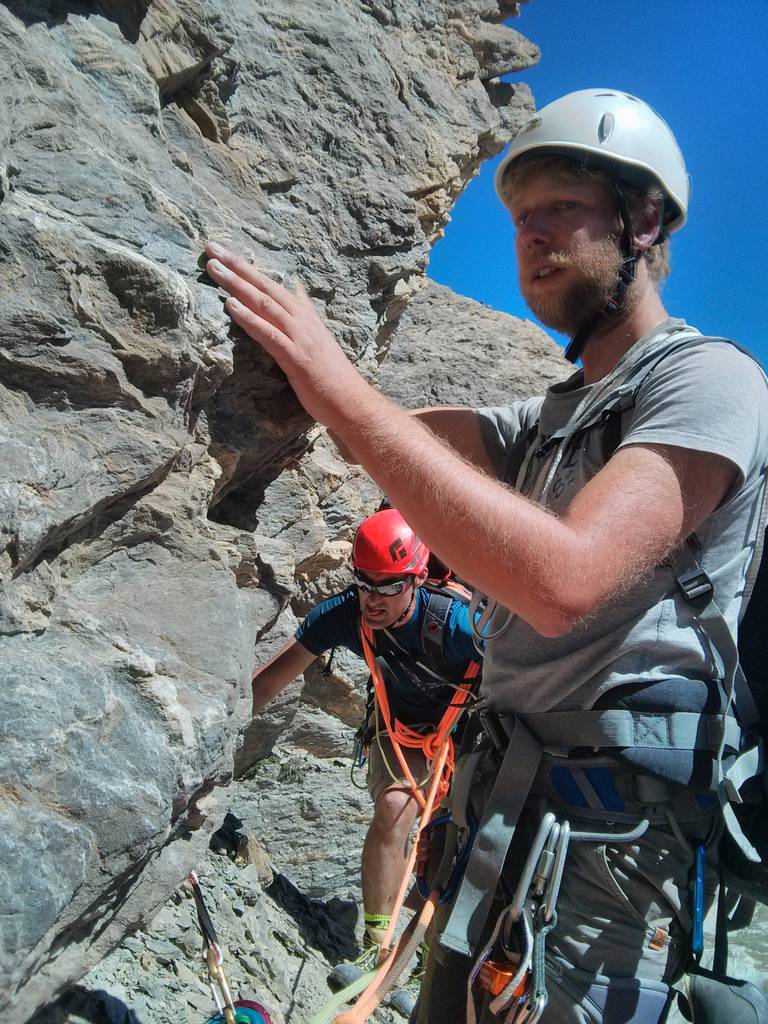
{"points": [[288, 327]]}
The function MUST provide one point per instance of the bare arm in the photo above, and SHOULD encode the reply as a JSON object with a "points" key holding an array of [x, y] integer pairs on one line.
{"points": [[551, 571], [289, 662], [459, 427]]}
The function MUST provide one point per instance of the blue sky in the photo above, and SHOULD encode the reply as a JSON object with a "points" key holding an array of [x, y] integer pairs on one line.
{"points": [[702, 65]]}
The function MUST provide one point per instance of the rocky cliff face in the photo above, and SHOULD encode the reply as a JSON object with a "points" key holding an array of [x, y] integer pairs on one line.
{"points": [[156, 512], [292, 912]]}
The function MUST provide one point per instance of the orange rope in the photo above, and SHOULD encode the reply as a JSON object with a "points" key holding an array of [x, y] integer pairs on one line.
{"points": [[432, 799], [386, 976], [404, 736], [437, 747]]}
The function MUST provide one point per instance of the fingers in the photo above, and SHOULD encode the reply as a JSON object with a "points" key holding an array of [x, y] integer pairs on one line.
{"points": [[270, 337], [244, 270], [252, 296]]}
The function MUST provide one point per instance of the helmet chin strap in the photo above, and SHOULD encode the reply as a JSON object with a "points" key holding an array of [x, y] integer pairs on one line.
{"points": [[627, 272]]}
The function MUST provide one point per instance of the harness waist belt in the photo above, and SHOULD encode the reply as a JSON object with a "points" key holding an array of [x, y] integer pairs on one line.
{"points": [[678, 730]]}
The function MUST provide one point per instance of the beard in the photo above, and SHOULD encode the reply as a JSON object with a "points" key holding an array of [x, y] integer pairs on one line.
{"points": [[594, 271]]}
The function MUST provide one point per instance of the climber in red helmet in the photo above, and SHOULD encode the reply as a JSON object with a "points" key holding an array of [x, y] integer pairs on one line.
{"points": [[423, 641]]}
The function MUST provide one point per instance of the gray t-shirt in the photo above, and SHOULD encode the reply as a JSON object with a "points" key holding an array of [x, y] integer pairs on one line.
{"points": [[709, 397]]}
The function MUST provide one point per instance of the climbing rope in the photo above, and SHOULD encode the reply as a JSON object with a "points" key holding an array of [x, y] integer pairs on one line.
{"points": [[401, 735], [437, 748]]}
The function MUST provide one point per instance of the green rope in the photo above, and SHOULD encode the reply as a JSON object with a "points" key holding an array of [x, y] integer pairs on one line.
{"points": [[328, 1013]]}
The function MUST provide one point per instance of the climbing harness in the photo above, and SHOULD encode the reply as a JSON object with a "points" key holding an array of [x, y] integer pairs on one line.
{"points": [[735, 743], [229, 1011], [401, 735]]}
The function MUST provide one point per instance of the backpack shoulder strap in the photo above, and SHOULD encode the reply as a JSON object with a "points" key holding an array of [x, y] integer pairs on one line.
{"points": [[433, 627], [612, 416], [516, 455]]}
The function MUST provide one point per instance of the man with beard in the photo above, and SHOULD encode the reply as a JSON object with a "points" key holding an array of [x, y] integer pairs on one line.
{"points": [[601, 518]]}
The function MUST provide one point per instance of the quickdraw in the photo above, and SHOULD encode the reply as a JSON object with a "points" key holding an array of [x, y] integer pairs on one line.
{"points": [[511, 968], [229, 1011]]}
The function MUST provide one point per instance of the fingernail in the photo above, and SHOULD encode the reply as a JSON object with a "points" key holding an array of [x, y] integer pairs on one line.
{"points": [[215, 249], [234, 305], [215, 265]]}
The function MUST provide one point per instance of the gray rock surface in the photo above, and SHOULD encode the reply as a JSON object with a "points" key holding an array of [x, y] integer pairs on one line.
{"points": [[300, 804], [451, 350], [155, 516]]}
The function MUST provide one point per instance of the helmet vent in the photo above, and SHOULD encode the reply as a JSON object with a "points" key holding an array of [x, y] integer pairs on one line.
{"points": [[605, 130]]}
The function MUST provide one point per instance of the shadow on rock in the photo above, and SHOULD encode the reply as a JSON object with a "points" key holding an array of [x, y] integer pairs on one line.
{"points": [[127, 14], [328, 927], [79, 1006]]}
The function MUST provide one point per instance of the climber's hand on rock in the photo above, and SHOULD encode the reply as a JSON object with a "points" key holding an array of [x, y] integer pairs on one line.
{"points": [[287, 326]]}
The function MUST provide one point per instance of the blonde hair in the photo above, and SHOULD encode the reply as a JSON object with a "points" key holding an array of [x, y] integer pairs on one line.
{"points": [[568, 169]]}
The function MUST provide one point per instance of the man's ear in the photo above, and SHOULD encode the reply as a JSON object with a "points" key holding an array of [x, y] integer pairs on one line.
{"points": [[646, 227], [418, 580]]}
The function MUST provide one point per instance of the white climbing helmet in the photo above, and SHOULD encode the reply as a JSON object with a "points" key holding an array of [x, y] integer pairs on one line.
{"points": [[616, 132]]}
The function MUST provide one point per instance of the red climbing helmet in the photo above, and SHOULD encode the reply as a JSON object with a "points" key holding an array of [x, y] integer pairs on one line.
{"points": [[385, 543]]}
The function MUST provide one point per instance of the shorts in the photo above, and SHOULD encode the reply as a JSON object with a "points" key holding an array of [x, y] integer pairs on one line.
{"points": [[383, 764]]}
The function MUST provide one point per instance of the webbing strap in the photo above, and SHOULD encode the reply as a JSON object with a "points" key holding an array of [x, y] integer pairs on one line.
{"points": [[744, 767], [497, 827], [737, 833], [729, 774], [461, 786], [678, 730]]}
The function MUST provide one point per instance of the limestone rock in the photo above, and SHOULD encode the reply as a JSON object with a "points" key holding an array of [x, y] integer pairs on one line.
{"points": [[250, 851], [451, 350]]}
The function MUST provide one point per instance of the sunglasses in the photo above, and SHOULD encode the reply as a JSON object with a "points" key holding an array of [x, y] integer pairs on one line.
{"points": [[384, 589]]}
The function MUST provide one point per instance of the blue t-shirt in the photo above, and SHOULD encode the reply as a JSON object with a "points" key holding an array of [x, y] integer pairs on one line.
{"points": [[414, 695]]}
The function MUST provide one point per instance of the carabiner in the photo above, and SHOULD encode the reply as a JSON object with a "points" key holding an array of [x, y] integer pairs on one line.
{"points": [[552, 889], [521, 892]]}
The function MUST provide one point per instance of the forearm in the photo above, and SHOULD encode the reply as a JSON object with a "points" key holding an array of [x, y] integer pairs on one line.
{"points": [[516, 546], [271, 678], [266, 686], [550, 571]]}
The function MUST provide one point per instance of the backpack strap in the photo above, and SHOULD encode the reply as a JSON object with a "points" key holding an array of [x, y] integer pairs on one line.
{"points": [[434, 629], [517, 456], [433, 626], [607, 413]]}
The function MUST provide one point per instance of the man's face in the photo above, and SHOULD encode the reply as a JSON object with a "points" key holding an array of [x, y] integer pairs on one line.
{"points": [[567, 248], [379, 611]]}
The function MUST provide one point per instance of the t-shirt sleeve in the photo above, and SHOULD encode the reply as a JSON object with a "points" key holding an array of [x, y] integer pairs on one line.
{"points": [[708, 398], [501, 425], [332, 623]]}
